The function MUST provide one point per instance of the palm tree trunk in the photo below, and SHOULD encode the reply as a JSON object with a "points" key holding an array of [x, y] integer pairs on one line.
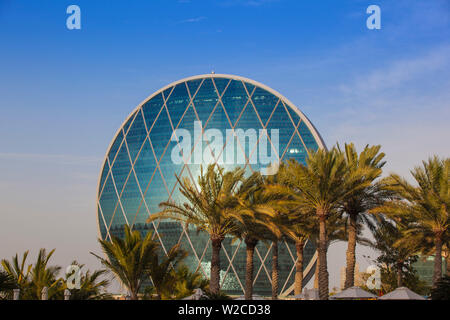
{"points": [[214, 283], [399, 274], [316, 275], [323, 272], [447, 262], [437, 273], [275, 270], [133, 295], [250, 249], [299, 268], [351, 249]]}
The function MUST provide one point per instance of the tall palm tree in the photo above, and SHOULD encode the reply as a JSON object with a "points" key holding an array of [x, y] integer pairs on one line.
{"points": [[427, 204], [355, 207], [302, 227], [322, 184], [276, 221], [208, 208], [395, 257], [42, 275], [162, 271], [296, 223], [129, 258], [276, 227], [447, 257], [252, 214]]}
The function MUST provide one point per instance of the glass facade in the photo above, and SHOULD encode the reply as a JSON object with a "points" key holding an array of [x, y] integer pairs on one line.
{"points": [[424, 267], [139, 171]]}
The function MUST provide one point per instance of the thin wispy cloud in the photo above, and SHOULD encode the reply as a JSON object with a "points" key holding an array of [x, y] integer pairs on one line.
{"points": [[193, 20], [401, 71]]}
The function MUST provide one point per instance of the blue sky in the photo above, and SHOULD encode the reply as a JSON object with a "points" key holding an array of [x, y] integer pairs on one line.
{"points": [[64, 93]]}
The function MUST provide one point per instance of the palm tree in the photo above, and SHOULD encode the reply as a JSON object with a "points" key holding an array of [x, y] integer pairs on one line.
{"points": [[322, 185], [426, 204], [302, 228], [33, 278], [298, 225], [7, 284], [355, 208], [208, 208], [275, 221], [42, 275], [447, 257], [18, 271], [187, 281], [254, 209], [394, 257], [276, 232], [91, 285], [162, 271], [129, 258]]}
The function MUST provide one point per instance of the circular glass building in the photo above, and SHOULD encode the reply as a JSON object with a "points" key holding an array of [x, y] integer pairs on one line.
{"points": [[214, 118]]}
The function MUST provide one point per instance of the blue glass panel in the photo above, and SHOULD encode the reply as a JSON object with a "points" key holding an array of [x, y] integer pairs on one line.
{"points": [[141, 216], [131, 198], [118, 222], [264, 103], [177, 103], [295, 117], [280, 120], [217, 121], [168, 168], [156, 193], [234, 100], [170, 233], [193, 86], [108, 200], [115, 146], [121, 168], [101, 224], [295, 150], [221, 84], [136, 135], [161, 133], [103, 176], [205, 100], [249, 123], [129, 122], [145, 165], [167, 93], [250, 87], [307, 137], [151, 109]]}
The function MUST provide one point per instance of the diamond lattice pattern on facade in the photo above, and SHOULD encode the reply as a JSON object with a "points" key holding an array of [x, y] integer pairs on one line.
{"points": [[138, 172]]}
